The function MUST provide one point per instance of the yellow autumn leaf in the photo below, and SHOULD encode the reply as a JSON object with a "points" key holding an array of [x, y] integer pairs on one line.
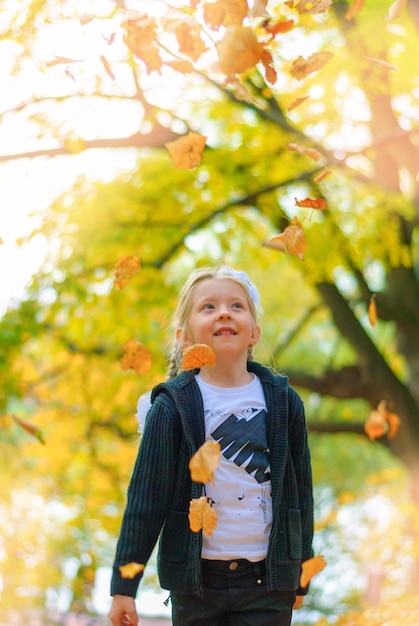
{"points": [[310, 568], [202, 516], [239, 50], [125, 269], [197, 355], [302, 67], [186, 152], [372, 311], [205, 461], [131, 569], [136, 357]]}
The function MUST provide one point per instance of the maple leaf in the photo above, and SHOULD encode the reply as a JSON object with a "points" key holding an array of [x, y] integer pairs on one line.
{"points": [[186, 152], [202, 516], [62, 60], [292, 240], [205, 461], [310, 6], [302, 67], [310, 568], [239, 50], [197, 355], [136, 357], [189, 40], [131, 569], [312, 203], [225, 13], [381, 422], [321, 176], [30, 429], [372, 311], [355, 8], [396, 9], [107, 67], [125, 269], [296, 103]]}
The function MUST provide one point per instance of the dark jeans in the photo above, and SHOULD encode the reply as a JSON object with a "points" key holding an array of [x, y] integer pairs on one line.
{"points": [[235, 594]]}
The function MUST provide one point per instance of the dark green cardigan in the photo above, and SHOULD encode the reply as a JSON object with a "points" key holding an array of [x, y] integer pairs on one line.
{"points": [[161, 488]]}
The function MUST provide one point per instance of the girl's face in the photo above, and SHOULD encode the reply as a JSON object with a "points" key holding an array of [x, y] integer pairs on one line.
{"points": [[220, 317]]}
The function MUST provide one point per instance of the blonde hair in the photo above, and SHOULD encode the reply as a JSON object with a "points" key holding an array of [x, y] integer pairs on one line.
{"points": [[183, 311]]}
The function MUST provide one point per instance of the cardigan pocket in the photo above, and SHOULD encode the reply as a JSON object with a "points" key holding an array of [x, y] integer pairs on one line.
{"points": [[294, 533], [175, 537]]}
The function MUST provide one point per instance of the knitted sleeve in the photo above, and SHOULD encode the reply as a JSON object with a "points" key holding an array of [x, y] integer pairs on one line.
{"points": [[149, 494]]}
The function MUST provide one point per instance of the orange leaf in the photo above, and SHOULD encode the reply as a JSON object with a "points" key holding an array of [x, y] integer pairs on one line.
{"points": [[198, 355], [107, 67], [354, 9], [292, 240], [136, 357], [85, 18], [296, 103], [125, 269], [273, 27], [381, 63], [186, 152], [225, 13], [302, 67], [185, 67], [30, 429], [372, 311], [239, 50], [205, 461], [309, 6], [310, 568], [62, 60], [325, 173], [130, 569], [381, 422], [313, 154], [396, 9], [202, 515], [312, 203], [189, 40]]}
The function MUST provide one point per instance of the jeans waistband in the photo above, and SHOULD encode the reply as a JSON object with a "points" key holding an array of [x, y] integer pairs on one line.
{"points": [[234, 566]]}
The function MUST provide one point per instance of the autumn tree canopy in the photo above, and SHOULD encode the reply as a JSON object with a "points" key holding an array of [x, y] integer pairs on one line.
{"points": [[279, 137]]}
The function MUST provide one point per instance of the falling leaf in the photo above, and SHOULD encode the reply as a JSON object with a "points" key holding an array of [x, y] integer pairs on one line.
{"points": [[372, 311], [205, 461], [179, 65], [107, 67], [136, 357], [381, 422], [86, 18], [225, 13], [315, 155], [310, 568], [202, 515], [302, 67], [396, 9], [355, 8], [312, 203], [125, 269], [186, 152], [321, 176], [131, 569], [384, 64], [296, 103], [239, 50], [292, 240], [62, 60], [189, 40], [30, 429], [309, 6], [197, 355], [274, 27]]}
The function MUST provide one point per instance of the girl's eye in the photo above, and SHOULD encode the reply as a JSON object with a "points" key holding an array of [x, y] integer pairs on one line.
{"points": [[237, 305], [208, 306]]}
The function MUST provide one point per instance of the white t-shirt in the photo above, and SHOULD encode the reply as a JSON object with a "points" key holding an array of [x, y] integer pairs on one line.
{"points": [[241, 494]]}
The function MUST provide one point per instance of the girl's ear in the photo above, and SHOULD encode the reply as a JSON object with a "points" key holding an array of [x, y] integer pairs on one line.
{"points": [[182, 338], [255, 335]]}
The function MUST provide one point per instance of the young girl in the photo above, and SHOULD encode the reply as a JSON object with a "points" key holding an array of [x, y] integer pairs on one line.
{"points": [[247, 572]]}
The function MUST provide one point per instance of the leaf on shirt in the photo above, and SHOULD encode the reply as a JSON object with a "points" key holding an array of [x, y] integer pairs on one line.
{"points": [[310, 568], [202, 516], [197, 355], [131, 569], [205, 461]]}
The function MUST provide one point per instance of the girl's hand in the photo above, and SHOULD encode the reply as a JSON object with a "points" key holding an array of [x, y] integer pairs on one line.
{"points": [[123, 611], [298, 602]]}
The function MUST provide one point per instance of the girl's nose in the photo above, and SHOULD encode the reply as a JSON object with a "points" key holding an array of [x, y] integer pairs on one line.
{"points": [[224, 316]]}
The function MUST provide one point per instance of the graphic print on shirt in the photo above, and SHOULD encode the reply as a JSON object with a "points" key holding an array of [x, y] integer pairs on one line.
{"points": [[243, 440]]}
